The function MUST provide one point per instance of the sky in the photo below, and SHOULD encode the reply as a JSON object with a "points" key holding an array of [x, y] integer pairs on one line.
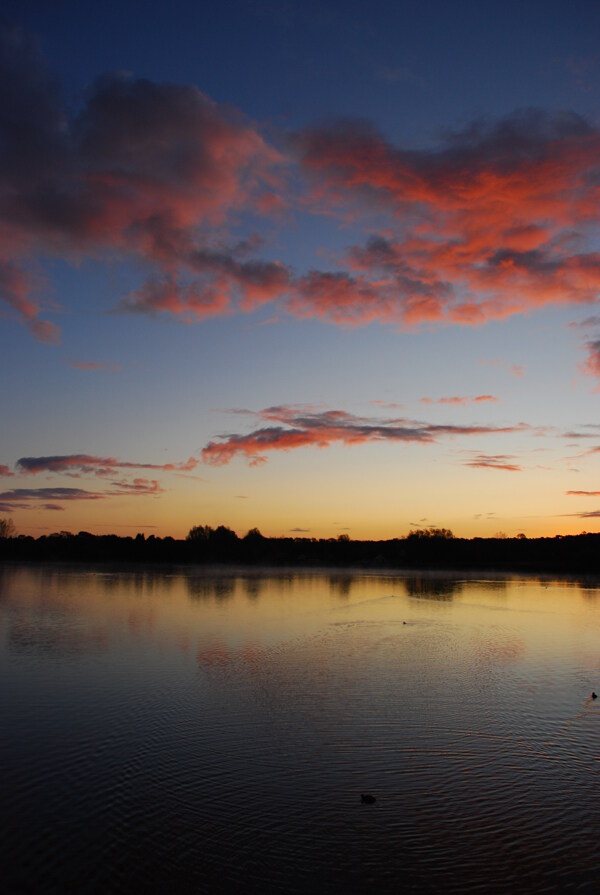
{"points": [[317, 268]]}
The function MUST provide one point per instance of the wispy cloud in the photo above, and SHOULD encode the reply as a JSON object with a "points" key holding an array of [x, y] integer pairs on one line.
{"points": [[591, 365], [389, 405], [16, 288], [493, 461], [461, 400], [137, 486], [515, 369], [302, 427], [47, 498], [589, 452], [95, 366], [5, 470], [89, 464], [25, 498]]}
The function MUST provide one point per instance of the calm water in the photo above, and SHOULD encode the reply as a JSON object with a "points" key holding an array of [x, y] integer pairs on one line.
{"points": [[208, 732]]}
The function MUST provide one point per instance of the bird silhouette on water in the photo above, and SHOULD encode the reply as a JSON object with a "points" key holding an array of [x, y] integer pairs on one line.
{"points": [[367, 799]]}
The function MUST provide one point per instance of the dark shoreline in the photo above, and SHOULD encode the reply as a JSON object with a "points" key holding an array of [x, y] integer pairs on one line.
{"points": [[568, 554]]}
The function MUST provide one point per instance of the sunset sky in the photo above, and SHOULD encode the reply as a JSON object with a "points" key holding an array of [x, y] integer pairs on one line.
{"points": [[315, 267]]}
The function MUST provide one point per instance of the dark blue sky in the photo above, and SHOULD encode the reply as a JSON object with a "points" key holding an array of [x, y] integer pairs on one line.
{"points": [[412, 67]]}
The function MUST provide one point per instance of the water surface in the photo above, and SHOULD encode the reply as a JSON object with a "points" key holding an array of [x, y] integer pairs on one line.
{"points": [[209, 731]]}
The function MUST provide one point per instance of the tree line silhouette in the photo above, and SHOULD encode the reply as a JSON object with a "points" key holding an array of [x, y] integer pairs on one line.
{"points": [[429, 548]]}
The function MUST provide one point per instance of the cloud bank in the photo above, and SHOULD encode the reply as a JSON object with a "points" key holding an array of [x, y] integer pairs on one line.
{"points": [[45, 498], [497, 219], [140, 170], [88, 464], [304, 426], [77, 466]]}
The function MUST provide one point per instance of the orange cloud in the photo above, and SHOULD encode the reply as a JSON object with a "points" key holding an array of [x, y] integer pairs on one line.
{"points": [[302, 427], [494, 221]]}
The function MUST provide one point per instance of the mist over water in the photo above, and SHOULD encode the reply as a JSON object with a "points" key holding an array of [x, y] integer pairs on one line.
{"points": [[214, 731]]}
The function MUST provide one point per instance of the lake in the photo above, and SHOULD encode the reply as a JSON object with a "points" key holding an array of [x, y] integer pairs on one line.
{"points": [[212, 731]]}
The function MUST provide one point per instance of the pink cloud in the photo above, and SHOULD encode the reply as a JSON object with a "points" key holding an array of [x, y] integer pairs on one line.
{"points": [[341, 298], [496, 220], [5, 470], [191, 302], [302, 427], [15, 291], [141, 170], [591, 365]]}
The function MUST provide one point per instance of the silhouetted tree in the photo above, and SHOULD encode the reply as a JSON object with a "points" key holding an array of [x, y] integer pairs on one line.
{"points": [[199, 533], [223, 544], [222, 535], [432, 532], [7, 528], [254, 535], [426, 549]]}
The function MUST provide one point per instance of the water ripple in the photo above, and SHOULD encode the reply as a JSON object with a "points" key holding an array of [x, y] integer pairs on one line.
{"points": [[129, 765]]}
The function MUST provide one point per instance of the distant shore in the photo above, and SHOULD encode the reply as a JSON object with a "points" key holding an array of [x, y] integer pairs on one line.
{"points": [[562, 553]]}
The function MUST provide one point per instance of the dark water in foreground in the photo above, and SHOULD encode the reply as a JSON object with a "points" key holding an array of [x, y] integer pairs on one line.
{"points": [[193, 732]]}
